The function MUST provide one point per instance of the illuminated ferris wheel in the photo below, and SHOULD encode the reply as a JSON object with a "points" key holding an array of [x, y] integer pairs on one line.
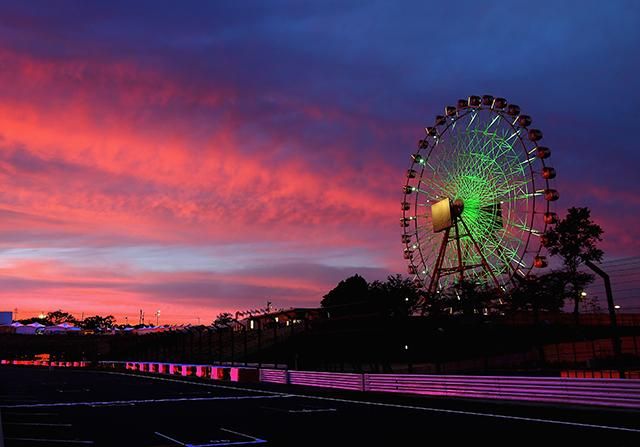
{"points": [[477, 197]]}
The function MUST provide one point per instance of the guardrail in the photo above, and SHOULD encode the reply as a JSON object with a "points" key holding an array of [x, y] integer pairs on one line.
{"points": [[623, 393], [274, 376], [343, 381], [603, 392], [214, 372], [607, 392], [56, 364]]}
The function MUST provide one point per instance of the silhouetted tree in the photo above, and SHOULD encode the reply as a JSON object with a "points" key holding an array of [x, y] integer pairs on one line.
{"points": [[98, 323], [396, 297], [468, 298], [34, 320], [348, 297], [538, 293], [223, 320], [575, 239], [59, 317]]}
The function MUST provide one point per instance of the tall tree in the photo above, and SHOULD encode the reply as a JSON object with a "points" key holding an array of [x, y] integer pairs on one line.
{"points": [[396, 297], [98, 323], [468, 298], [349, 296], [575, 239], [223, 320], [538, 293]]}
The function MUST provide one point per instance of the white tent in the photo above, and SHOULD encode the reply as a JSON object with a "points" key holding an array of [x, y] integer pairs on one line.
{"points": [[62, 328], [25, 330], [68, 327]]}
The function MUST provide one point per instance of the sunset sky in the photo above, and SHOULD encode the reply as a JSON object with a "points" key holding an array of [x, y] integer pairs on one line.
{"points": [[199, 157]]}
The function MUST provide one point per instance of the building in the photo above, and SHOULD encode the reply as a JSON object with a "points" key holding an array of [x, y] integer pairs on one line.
{"points": [[6, 318], [283, 317]]}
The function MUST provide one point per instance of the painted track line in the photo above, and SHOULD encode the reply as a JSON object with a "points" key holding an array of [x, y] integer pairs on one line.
{"points": [[157, 433], [473, 413], [210, 385], [120, 403], [406, 407], [252, 440]]}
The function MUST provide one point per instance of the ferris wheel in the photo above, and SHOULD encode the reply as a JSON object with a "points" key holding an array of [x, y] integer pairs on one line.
{"points": [[477, 198]]}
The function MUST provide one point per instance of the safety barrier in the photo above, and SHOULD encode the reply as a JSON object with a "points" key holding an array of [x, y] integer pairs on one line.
{"points": [[344, 381], [274, 376], [214, 372], [609, 392], [605, 392], [57, 364]]}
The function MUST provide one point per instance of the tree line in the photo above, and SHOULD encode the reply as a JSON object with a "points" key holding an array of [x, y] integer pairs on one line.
{"points": [[573, 240], [56, 317]]}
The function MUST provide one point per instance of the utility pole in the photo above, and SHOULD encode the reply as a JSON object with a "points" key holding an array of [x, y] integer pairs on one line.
{"points": [[615, 336]]}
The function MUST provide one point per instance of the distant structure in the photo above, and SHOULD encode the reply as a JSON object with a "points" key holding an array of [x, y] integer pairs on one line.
{"points": [[625, 282], [477, 197], [6, 318]]}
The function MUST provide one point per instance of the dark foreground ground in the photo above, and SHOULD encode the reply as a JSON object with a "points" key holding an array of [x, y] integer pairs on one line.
{"points": [[42, 407]]}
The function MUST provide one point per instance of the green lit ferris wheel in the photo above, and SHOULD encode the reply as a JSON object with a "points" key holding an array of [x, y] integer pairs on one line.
{"points": [[477, 199]]}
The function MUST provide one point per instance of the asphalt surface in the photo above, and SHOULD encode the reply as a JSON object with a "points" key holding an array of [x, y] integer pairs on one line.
{"points": [[59, 407]]}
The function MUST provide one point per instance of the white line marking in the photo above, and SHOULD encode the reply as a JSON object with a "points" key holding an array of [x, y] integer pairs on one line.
{"points": [[253, 440], [117, 403], [68, 441], [211, 385], [238, 433], [168, 437], [471, 413], [406, 407]]}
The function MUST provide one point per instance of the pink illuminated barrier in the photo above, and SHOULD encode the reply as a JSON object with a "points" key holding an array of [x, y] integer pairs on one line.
{"points": [[343, 381], [45, 363], [605, 392], [608, 392], [274, 376], [214, 372]]}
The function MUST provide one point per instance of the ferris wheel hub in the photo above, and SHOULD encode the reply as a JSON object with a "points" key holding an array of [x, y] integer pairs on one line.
{"points": [[457, 207]]}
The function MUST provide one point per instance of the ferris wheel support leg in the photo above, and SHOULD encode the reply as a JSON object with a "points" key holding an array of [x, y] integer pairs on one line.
{"points": [[485, 264], [433, 284], [460, 262]]}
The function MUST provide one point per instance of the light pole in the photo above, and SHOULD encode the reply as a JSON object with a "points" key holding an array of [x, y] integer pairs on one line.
{"points": [[157, 317], [615, 335]]}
